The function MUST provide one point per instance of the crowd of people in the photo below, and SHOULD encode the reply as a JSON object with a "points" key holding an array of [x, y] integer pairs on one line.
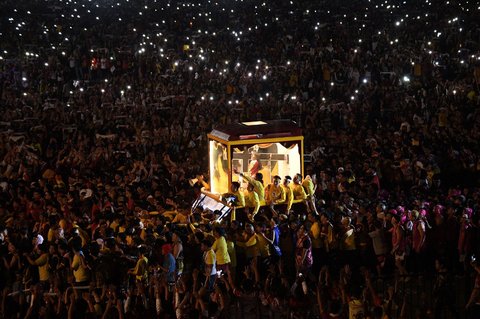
{"points": [[105, 109]]}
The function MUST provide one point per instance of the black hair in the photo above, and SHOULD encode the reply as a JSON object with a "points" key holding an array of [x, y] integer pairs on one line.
{"points": [[76, 244], [199, 236], [206, 242], [142, 250], [43, 247], [335, 307], [259, 177], [219, 230]]}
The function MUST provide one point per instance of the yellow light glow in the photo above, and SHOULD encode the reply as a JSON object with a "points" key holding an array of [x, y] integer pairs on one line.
{"points": [[254, 123]]}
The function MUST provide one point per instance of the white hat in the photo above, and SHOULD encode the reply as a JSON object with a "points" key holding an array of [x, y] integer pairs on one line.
{"points": [[86, 193], [39, 240]]}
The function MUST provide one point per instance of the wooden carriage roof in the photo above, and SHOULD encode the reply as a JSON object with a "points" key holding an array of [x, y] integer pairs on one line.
{"points": [[257, 130]]}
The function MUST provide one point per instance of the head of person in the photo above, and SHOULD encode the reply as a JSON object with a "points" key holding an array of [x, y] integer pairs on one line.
{"points": [[273, 222], [297, 179], [440, 264], [235, 187], [250, 187], [294, 225], [346, 222], [312, 217], [335, 308], [259, 177], [249, 229], [175, 236], [301, 231], [260, 227], [218, 232], [198, 237], [287, 180], [414, 215], [166, 249], [142, 251], [43, 248], [276, 180], [11, 248], [324, 219], [395, 219], [205, 245]]}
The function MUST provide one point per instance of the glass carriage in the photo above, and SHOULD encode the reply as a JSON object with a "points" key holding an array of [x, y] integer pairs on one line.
{"points": [[270, 147]]}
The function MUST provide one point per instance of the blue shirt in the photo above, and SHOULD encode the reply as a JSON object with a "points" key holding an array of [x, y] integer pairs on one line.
{"points": [[169, 264]]}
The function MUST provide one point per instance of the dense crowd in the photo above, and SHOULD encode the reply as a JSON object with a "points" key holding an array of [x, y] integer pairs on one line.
{"points": [[105, 109]]}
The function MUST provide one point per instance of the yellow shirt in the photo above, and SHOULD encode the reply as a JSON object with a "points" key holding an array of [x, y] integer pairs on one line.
{"points": [[275, 194], [84, 236], [293, 80], [349, 242], [315, 235], [328, 239], [51, 234], [417, 69], [326, 74], [209, 258], [257, 187], [231, 253], [79, 272], [476, 74], [308, 187], [114, 225], [221, 251], [263, 246], [251, 200], [141, 269], [298, 192], [240, 199], [180, 218], [442, 119], [251, 247], [42, 263], [288, 196]]}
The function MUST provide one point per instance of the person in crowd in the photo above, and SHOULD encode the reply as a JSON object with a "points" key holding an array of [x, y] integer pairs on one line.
{"points": [[398, 244], [257, 183], [418, 241], [309, 185], [289, 197], [275, 194], [303, 252], [177, 251], [42, 264], [209, 264], [79, 265], [299, 193], [252, 202], [220, 247]]}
